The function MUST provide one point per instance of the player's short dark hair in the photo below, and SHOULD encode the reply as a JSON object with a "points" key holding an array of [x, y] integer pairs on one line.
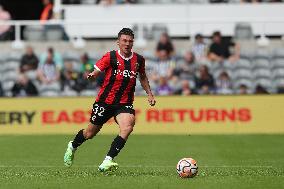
{"points": [[125, 31]]}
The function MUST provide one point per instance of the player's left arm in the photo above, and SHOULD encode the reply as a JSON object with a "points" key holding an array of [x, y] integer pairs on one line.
{"points": [[146, 86], [100, 66]]}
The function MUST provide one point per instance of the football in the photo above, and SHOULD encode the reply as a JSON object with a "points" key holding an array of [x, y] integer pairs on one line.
{"points": [[187, 168]]}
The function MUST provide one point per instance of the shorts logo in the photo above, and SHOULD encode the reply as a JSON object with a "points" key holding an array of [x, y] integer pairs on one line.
{"points": [[129, 106]]}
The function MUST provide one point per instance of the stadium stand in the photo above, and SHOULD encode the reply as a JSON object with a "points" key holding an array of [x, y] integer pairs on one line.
{"points": [[174, 63]]}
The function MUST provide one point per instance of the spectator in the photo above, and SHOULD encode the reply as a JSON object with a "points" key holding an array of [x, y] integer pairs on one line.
{"points": [[219, 50], [204, 78], [29, 60], [243, 89], [24, 87], [163, 88], [199, 48], [87, 64], [69, 78], [48, 72], [1, 90], [185, 89], [280, 89], [165, 43], [187, 67], [259, 89], [56, 57], [224, 84], [5, 30], [163, 67], [47, 12], [204, 90]]}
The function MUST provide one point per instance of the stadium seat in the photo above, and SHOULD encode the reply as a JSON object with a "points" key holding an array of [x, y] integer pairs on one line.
{"points": [[9, 75], [243, 31], [34, 33], [146, 1], [88, 92], [278, 53], [69, 93], [246, 53], [49, 93], [54, 33], [11, 66], [261, 63], [242, 73], [13, 56], [229, 66], [49, 87], [243, 81], [243, 64], [71, 56], [157, 30], [264, 82], [262, 53], [277, 63], [32, 75], [261, 73], [278, 73], [278, 82], [88, 2], [7, 85]]}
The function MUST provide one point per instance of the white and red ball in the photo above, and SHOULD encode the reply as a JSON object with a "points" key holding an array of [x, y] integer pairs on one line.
{"points": [[187, 168]]}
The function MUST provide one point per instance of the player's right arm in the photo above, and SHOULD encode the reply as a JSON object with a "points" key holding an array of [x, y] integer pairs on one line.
{"points": [[100, 66]]}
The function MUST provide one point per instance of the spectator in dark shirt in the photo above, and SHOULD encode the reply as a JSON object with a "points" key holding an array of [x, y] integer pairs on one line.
{"points": [[219, 50], [24, 87], [165, 43], [204, 78], [259, 89], [29, 60]]}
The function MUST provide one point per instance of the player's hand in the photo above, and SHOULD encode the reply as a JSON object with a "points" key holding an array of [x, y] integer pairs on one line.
{"points": [[151, 100], [91, 76]]}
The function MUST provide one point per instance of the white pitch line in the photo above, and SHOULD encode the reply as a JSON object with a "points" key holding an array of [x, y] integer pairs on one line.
{"points": [[135, 166]]}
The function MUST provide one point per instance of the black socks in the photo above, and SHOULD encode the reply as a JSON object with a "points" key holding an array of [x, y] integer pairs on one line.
{"points": [[117, 144], [79, 139]]}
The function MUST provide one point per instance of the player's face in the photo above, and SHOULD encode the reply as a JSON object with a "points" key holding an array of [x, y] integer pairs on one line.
{"points": [[125, 43]]}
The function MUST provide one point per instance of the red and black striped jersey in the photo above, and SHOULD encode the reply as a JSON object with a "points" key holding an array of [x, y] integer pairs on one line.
{"points": [[120, 77]]}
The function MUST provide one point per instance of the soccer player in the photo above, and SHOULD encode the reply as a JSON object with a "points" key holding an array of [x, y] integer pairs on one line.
{"points": [[115, 98]]}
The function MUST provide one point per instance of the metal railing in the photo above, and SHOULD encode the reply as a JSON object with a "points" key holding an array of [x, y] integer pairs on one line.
{"points": [[78, 39]]}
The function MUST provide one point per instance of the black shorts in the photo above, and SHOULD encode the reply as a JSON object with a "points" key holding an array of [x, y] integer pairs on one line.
{"points": [[102, 112]]}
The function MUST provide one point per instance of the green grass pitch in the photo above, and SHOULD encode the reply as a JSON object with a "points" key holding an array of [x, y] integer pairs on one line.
{"points": [[225, 161]]}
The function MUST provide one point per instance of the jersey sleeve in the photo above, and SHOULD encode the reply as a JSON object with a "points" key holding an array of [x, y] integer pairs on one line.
{"points": [[142, 66], [103, 63]]}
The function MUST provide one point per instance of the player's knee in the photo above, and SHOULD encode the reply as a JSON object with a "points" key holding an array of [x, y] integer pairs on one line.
{"points": [[127, 129]]}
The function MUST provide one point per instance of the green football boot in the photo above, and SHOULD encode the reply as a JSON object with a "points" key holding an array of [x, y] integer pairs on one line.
{"points": [[108, 165], [69, 155]]}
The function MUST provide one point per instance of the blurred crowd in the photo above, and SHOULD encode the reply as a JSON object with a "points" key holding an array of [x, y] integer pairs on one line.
{"points": [[170, 71]]}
